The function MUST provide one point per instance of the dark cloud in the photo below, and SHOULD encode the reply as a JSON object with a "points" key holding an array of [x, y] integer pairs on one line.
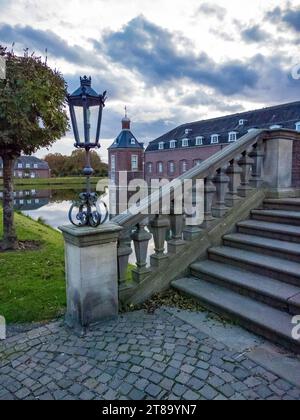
{"points": [[152, 51], [255, 34], [212, 10], [289, 17]]}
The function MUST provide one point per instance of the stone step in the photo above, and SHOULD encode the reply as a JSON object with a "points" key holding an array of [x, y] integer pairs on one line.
{"points": [[278, 294], [279, 231], [283, 204], [272, 247], [277, 216], [262, 319], [277, 268]]}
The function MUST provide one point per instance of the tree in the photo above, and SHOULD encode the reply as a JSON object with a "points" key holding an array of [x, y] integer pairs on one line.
{"points": [[32, 116], [73, 165]]}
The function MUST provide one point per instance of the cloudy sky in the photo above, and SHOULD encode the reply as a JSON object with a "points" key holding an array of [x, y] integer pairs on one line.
{"points": [[169, 61]]}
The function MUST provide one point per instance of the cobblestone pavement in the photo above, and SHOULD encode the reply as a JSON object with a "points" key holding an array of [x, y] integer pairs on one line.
{"points": [[140, 356]]}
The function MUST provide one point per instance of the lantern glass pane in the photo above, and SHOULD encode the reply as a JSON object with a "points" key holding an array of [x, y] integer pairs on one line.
{"points": [[80, 122], [93, 113]]}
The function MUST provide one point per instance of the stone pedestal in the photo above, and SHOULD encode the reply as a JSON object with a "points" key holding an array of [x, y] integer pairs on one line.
{"points": [[278, 165], [91, 274]]}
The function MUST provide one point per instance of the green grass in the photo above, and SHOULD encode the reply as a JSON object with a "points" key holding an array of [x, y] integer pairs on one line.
{"points": [[65, 181], [32, 283]]}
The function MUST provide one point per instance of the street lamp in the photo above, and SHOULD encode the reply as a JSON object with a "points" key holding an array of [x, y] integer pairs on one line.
{"points": [[86, 108]]}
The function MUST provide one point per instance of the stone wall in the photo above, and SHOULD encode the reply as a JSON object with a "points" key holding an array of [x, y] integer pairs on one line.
{"points": [[296, 164]]}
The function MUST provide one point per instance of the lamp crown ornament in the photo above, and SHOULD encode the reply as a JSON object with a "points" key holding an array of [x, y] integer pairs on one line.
{"points": [[86, 107]]}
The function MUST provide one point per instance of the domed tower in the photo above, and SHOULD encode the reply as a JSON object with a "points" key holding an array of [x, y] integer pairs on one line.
{"points": [[126, 162], [126, 154]]}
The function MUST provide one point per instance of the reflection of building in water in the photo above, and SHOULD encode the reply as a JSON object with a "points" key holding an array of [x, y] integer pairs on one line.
{"points": [[30, 199], [126, 155], [29, 167]]}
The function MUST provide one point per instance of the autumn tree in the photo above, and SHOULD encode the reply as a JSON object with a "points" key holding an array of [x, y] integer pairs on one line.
{"points": [[32, 116]]}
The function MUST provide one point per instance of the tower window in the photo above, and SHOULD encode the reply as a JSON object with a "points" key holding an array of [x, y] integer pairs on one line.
{"points": [[134, 163], [232, 136], [215, 139], [298, 126], [113, 163], [185, 143], [133, 140], [242, 122]]}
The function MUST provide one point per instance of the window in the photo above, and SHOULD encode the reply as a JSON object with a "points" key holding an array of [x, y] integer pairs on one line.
{"points": [[232, 136], [160, 167], [215, 138], [20, 175], [161, 145], [134, 163], [27, 165], [298, 126], [197, 162], [188, 131], [184, 166], [20, 166], [242, 122], [36, 166], [150, 168], [132, 140], [113, 163], [185, 142], [172, 144], [171, 167], [199, 141]]}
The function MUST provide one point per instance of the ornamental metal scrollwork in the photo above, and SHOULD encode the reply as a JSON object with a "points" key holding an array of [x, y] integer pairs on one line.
{"points": [[89, 210]]}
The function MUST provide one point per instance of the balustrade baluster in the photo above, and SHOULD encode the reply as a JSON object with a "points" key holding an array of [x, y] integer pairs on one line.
{"points": [[159, 228], [221, 181], [177, 226], [257, 154], [246, 164], [124, 252], [234, 173], [209, 194], [141, 240]]}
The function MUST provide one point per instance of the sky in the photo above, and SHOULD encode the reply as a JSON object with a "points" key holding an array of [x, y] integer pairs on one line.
{"points": [[169, 61]]}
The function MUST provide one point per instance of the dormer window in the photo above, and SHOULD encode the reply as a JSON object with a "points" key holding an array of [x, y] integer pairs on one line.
{"points": [[242, 122], [188, 131], [172, 144], [132, 141], [199, 141], [232, 136], [215, 139], [161, 145], [298, 126], [185, 143]]}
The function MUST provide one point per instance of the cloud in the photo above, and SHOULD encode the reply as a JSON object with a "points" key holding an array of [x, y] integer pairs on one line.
{"points": [[255, 34], [212, 10], [288, 17], [153, 52]]}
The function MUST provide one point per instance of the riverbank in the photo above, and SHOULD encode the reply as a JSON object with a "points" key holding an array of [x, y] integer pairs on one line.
{"points": [[32, 283], [67, 182]]}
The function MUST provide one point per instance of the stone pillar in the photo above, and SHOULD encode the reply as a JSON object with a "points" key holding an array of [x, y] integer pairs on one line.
{"points": [[278, 164], [91, 274]]}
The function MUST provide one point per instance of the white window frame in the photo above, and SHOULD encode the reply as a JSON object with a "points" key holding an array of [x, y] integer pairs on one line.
{"points": [[134, 163], [36, 166], [172, 144], [242, 122], [199, 141], [161, 145], [198, 162], [214, 139], [27, 166], [132, 141], [20, 165], [172, 167], [232, 136], [160, 167], [184, 165], [185, 143], [113, 163], [297, 126], [150, 167]]}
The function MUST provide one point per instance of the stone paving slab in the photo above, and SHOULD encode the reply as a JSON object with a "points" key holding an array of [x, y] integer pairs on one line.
{"points": [[140, 356]]}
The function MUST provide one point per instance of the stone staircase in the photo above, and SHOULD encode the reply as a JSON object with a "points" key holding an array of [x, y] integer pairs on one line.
{"points": [[254, 277]]}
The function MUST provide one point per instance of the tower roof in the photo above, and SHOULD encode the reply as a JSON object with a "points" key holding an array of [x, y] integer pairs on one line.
{"points": [[126, 140]]}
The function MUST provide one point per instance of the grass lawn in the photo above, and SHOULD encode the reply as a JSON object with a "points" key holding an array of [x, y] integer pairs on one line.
{"points": [[66, 181], [32, 283]]}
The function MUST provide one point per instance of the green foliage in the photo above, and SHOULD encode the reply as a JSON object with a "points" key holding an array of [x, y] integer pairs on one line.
{"points": [[32, 105], [73, 165]]}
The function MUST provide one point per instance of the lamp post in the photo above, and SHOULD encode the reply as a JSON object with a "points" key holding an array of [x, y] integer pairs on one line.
{"points": [[86, 107]]}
